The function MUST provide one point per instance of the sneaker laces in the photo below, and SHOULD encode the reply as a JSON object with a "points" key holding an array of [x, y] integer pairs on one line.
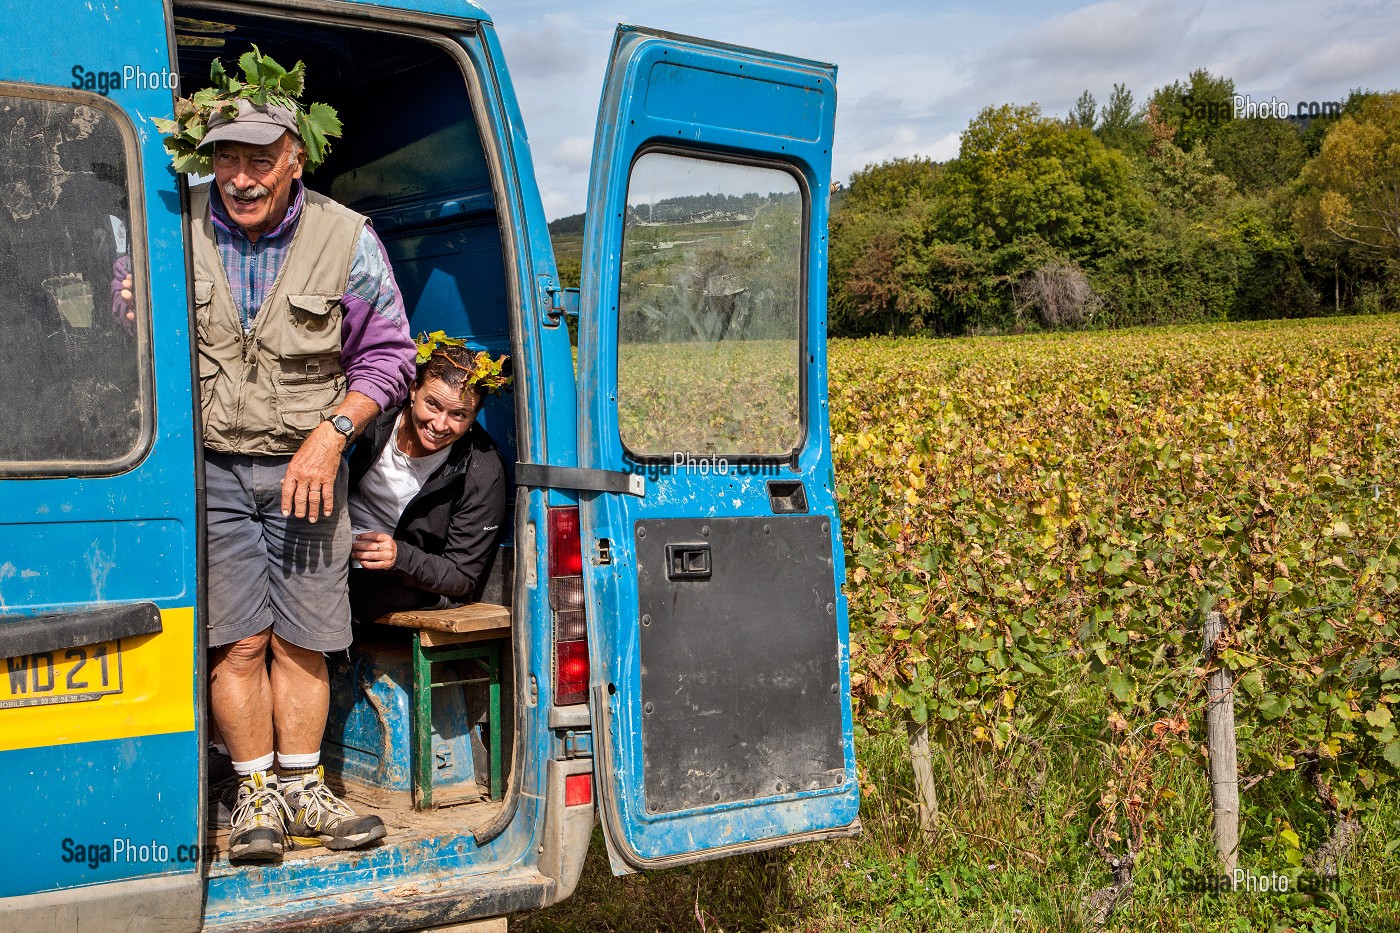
{"points": [[261, 807], [317, 804]]}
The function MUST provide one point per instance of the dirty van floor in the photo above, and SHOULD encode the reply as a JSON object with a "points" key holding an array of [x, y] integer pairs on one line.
{"points": [[404, 824]]}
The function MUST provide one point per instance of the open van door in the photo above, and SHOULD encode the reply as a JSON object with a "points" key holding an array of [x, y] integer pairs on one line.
{"points": [[720, 663], [99, 755]]}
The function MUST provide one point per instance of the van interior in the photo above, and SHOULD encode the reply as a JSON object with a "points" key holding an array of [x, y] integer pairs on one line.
{"points": [[413, 161]]}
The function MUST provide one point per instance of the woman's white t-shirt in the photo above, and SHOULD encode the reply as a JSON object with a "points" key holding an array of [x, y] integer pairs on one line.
{"points": [[389, 485]]}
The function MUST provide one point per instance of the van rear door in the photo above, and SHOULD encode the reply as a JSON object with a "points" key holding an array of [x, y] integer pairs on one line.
{"points": [[717, 625], [99, 756]]}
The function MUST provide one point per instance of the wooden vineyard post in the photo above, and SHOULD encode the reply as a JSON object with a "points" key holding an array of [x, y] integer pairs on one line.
{"points": [[1220, 744], [922, 755]]}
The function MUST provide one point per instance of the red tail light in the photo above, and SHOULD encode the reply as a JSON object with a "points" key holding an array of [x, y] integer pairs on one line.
{"points": [[570, 672], [578, 790], [566, 599], [565, 555]]}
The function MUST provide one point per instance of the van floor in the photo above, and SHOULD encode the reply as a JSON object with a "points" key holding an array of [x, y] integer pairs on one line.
{"points": [[405, 826]]}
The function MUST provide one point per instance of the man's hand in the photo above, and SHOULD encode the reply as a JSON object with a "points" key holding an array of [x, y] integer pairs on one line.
{"points": [[308, 489], [309, 486]]}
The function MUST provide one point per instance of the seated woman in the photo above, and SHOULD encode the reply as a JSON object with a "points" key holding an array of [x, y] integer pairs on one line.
{"points": [[428, 489]]}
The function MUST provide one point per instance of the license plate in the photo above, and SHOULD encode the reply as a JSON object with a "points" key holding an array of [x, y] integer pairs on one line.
{"points": [[69, 675]]}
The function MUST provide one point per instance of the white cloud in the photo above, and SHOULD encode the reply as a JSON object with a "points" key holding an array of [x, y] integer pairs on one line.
{"points": [[549, 45], [1114, 31], [946, 148], [900, 142], [1094, 47], [1340, 63], [559, 204], [561, 169], [573, 154]]}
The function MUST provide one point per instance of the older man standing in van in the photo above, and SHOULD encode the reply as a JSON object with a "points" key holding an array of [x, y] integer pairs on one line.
{"points": [[303, 340]]}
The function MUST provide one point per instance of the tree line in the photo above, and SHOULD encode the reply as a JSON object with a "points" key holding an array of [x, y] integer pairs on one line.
{"points": [[1175, 211]]}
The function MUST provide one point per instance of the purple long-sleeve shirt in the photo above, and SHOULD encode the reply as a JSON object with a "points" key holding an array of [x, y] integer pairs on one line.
{"points": [[376, 349]]}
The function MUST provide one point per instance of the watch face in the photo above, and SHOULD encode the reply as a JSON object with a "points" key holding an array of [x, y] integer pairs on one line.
{"points": [[343, 424]]}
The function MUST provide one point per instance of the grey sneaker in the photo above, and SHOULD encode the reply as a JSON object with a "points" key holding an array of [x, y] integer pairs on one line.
{"points": [[223, 798], [219, 767], [259, 832], [320, 818], [223, 789]]}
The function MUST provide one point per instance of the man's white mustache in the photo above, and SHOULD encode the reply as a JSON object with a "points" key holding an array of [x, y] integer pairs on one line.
{"points": [[253, 191]]}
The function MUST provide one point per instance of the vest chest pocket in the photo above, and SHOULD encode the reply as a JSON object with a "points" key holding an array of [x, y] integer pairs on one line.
{"points": [[304, 399], [208, 365], [203, 308], [305, 344], [310, 327]]}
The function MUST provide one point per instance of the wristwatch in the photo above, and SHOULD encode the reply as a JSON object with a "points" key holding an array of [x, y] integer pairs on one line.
{"points": [[343, 424]]}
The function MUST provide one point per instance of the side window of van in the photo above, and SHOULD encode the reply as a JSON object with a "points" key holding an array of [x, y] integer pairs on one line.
{"points": [[72, 365], [710, 317]]}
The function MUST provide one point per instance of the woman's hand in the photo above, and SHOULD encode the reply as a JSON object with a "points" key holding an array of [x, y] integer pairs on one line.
{"points": [[374, 550]]}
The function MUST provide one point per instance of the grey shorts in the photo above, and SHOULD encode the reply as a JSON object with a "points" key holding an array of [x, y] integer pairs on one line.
{"points": [[269, 570]]}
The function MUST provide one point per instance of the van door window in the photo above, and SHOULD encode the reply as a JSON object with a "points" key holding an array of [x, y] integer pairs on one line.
{"points": [[710, 309], [72, 366]]}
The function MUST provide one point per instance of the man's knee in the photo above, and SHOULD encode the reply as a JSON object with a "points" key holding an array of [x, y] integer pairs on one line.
{"points": [[243, 656], [284, 652]]}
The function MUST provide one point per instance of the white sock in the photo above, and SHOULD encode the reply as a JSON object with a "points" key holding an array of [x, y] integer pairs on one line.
{"points": [[296, 766], [245, 768]]}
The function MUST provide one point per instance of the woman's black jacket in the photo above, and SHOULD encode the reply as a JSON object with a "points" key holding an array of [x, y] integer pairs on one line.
{"points": [[446, 538]]}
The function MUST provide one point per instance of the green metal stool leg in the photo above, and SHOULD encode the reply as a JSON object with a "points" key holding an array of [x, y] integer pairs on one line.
{"points": [[487, 656], [422, 726], [494, 661]]}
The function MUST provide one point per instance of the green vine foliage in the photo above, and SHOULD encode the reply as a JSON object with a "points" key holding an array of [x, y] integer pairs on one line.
{"points": [[1024, 511], [264, 82], [488, 374]]}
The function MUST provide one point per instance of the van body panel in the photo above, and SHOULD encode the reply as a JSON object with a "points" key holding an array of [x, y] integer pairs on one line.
{"points": [[98, 502], [167, 904], [101, 530], [136, 676], [87, 829], [718, 634], [418, 905]]}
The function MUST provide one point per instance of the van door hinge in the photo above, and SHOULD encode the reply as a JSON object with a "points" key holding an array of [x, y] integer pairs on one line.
{"points": [[578, 744], [556, 301]]}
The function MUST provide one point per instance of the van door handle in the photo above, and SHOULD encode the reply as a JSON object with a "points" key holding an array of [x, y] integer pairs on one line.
{"points": [[688, 561], [86, 626], [546, 476]]}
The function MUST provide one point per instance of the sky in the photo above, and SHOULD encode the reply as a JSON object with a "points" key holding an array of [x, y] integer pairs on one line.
{"points": [[911, 75]]}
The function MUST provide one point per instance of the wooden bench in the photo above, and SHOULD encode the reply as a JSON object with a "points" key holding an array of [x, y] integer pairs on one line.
{"points": [[467, 633]]}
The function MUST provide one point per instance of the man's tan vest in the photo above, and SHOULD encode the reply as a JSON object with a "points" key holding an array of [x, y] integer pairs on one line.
{"points": [[262, 391]]}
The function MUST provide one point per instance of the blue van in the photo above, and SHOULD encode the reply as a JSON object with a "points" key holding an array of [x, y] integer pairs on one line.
{"points": [[669, 651]]}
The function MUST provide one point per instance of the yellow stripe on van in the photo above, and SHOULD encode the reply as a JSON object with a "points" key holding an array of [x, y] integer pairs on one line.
{"points": [[41, 703]]}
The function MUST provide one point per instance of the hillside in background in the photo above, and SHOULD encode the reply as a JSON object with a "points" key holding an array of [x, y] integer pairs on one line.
{"points": [[567, 226]]}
